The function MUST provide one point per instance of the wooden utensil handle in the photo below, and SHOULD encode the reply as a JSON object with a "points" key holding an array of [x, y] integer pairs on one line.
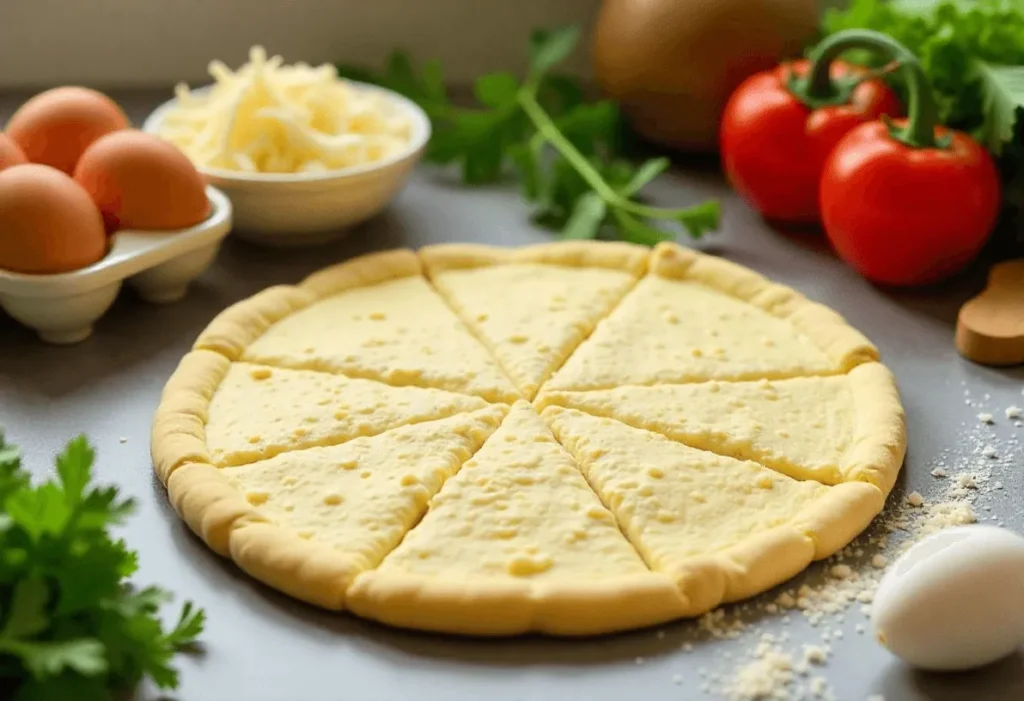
{"points": [[990, 327]]}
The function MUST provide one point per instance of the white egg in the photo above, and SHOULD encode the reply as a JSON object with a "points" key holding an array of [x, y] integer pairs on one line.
{"points": [[955, 600]]}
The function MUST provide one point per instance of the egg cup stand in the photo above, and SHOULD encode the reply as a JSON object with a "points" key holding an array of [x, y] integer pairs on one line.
{"points": [[160, 265]]}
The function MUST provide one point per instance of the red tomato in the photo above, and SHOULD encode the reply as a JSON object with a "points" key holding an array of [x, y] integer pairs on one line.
{"points": [[908, 216], [774, 146]]}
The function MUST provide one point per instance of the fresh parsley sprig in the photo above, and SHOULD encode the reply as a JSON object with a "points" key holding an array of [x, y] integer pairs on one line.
{"points": [[71, 626], [565, 150]]}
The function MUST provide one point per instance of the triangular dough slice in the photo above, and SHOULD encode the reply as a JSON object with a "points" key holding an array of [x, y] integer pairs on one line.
{"points": [[673, 331], [828, 429], [361, 497], [259, 411], [517, 534], [518, 509], [532, 315], [726, 529], [399, 332]]}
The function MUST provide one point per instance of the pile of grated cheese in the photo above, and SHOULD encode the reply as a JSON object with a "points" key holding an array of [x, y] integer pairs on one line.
{"points": [[272, 118]]}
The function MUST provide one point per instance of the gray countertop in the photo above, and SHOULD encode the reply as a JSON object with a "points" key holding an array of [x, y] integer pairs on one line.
{"points": [[261, 646]]}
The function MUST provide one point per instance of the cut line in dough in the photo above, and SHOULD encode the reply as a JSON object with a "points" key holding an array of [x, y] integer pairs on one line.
{"points": [[532, 307], [809, 428]]}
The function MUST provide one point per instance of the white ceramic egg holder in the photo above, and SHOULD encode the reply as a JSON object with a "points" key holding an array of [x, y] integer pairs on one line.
{"points": [[160, 265]]}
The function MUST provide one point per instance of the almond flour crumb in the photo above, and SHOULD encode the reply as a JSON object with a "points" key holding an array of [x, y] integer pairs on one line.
{"points": [[1013, 412], [986, 418], [841, 571], [859, 628], [938, 472], [767, 677], [677, 679], [814, 654], [915, 499], [966, 481], [998, 485], [989, 452], [786, 600], [879, 561], [122, 439]]}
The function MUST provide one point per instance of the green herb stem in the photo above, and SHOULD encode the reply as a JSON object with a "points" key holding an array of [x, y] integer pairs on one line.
{"points": [[922, 109], [553, 136], [549, 131]]}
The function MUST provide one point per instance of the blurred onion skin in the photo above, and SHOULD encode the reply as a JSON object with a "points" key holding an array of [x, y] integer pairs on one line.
{"points": [[672, 64]]}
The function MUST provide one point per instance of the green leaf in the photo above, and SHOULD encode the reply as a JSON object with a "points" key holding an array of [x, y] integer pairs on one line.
{"points": [[360, 74], [527, 159], [101, 508], [591, 128], [700, 219], [432, 81], [648, 171], [91, 576], [636, 231], [558, 94], [1002, 89], [401, 76], [190, 625], [74, 466], [496, 89], [49, 659], [39, 511], [549, 48], [586, 219], [27, 616], [69, 686]]}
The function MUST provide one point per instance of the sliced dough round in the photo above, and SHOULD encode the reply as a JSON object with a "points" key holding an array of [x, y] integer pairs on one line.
{"points": [[350, 442]]}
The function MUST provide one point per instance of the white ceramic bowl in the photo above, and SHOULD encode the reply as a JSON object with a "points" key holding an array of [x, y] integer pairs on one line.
{"points": [[284, 209]]}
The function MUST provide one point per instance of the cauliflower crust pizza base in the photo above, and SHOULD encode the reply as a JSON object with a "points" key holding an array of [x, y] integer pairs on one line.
{"points": [[624, 547]]}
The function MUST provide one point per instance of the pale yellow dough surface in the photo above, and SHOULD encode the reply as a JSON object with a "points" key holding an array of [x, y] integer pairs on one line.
{"points": [[572, 438], [260, 411], [810, 428], [398, 331]]}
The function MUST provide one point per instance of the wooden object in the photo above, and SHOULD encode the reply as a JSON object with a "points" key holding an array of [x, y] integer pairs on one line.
{"points": [[990, 327]]}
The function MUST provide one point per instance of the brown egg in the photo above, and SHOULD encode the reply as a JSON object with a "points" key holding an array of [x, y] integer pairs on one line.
{"points": [[10, 153], [141, 181], [55, 127], [48, 223]]}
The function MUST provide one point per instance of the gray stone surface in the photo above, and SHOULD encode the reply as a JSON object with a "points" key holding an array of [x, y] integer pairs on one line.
{"points": [[261, 646]]}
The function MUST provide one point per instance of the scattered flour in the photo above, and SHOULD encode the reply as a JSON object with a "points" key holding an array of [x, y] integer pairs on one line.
{"points": [[774, 668]]}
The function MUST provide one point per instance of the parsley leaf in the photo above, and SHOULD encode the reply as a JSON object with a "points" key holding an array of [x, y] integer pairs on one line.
{"points": [[1002, 90], [70, 625], [564, 149]]}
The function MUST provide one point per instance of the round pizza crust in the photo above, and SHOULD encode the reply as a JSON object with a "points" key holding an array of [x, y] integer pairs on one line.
{"points": [[608, 448]]}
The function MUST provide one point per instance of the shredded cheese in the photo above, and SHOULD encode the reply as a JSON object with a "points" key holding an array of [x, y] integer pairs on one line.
{"points": [[270, 118]]}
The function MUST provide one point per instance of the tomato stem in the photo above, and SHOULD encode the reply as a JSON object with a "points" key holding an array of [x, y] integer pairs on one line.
{"points": [[922, 112]]}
